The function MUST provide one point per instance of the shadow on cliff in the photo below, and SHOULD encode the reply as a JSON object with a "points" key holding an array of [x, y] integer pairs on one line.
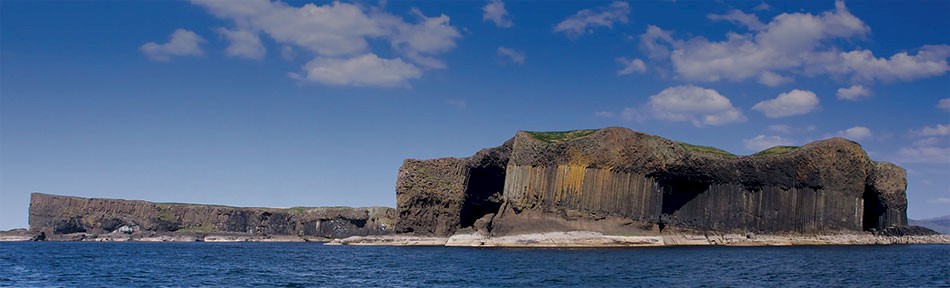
{"points": [[482, 194]]}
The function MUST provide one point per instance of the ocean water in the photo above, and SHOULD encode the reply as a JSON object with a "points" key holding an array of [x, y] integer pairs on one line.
{"points": [[74, 264]]}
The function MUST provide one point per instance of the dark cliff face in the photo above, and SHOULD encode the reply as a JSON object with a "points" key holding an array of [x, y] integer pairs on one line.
{"points": [[55, 214], [615, 179], [439, 196]]}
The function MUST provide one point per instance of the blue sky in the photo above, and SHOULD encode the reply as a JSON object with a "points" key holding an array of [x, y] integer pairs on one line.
{"points": [[285, 104]]}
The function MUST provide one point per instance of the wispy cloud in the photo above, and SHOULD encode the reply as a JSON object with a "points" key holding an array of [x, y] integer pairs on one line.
{"points": [[631, 66], [337, 35], [855, 133], [182, 43], [790, 44], [457, 103], [735, 16], [495, 12], [243, 44], [940, 200], [853, 93], [932, 146], [515, 56], [585, 20], [944, 104]]}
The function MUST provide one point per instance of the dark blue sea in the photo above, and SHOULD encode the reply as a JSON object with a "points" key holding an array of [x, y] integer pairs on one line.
{"points": [[73, 264]]}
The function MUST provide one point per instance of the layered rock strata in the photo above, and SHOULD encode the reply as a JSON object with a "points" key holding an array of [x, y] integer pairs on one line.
{"points": [[616, 180], [53, 214]]}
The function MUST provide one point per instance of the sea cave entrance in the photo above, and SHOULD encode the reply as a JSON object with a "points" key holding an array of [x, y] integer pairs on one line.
{"points": [[677, 192], [873, 210], [482, 193]]}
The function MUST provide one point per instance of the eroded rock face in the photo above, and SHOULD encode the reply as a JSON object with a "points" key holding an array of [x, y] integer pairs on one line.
{"points": [[439, 196], [885, 203], [618, 180], [55, 214]]}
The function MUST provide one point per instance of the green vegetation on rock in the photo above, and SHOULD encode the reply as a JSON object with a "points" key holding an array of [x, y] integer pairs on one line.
{"points": [[170, 204], [560, 136], [167, 216], [777, 150], [298, 210], [706, 150]]}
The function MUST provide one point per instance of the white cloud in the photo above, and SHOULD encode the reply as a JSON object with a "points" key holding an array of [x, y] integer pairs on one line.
{"points": [[769, 78], [855, 133], [788, 129], [735, 16], [632, 114], [937, 130], [334, 29], [924, 154], [288, 53], [181, 43], [655, 42], [513, 55], [780, 128], [244, 44], [929, 141], [762, 142], [933, 148], [779, 46], [337, 33], [365, 70], [585, 20], [495, 12], [944, 104], [431, 35], [762, 7], [863, 66], [795, 102], [853, 93], [693, 104], [790, 44], [941, 200], [457, 103], [631, 66]]}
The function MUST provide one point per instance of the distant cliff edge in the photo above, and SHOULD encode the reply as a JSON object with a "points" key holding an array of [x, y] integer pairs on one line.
{"points": [[57, 215], [618, 181]]}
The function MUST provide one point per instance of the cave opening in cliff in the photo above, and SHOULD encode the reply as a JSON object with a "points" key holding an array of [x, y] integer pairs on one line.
{"points": [[482, 193], [873, 210], [678, 192]]}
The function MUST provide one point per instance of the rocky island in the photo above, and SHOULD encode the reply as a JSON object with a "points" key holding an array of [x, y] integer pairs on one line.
{"points": [[604, 187], [66, 218]]}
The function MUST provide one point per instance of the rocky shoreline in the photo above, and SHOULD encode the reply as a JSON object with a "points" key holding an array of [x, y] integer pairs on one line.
{"points": [[571, 239], [22, 235], [587, 239]]}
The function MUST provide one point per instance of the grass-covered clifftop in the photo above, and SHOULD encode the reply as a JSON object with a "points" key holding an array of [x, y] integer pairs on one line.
{"points": [[560, 136], [556, 137], [777, 150]]}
